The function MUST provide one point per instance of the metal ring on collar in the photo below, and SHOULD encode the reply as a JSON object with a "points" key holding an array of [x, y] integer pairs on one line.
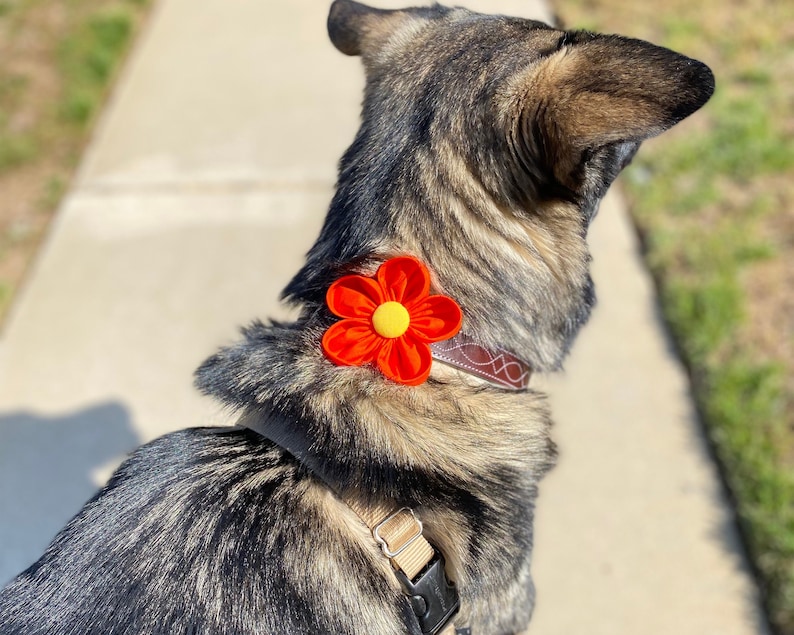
{"points": [[382, 542]]}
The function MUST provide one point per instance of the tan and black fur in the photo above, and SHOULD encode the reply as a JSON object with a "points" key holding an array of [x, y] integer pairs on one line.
{"points": [[485, 147]]}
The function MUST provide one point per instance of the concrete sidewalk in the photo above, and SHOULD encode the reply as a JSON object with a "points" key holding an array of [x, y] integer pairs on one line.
{"points": [[206, 184]]}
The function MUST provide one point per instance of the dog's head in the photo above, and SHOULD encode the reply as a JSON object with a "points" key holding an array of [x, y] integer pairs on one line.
{"points": [[486, 145], [559, 112]]}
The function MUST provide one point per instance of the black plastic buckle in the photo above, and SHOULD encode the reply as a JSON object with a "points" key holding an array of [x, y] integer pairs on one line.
{"points": [[434, 599]]}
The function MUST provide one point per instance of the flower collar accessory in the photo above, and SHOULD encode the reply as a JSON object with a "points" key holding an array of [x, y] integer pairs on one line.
{"points": [[389, 320]]}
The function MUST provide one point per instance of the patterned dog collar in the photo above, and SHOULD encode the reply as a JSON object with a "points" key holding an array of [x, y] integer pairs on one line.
{"points": [[497, 367]]}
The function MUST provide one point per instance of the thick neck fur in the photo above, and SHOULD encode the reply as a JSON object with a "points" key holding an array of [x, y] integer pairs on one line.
{"points": [[359, 430]]}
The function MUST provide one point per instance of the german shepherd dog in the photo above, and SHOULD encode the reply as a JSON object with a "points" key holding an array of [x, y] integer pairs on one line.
{"points": [[485, 147]]}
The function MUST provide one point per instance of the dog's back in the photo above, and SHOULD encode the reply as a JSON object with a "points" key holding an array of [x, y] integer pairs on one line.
{"points": [[206, 531]]}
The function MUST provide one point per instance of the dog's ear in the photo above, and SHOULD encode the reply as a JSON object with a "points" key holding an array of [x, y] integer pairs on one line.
{"points": [[352, 25], [602, 95]]}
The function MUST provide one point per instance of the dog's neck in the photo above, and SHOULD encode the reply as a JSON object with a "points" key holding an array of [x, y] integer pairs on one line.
{"points": [[520, 277], [363, 430]]}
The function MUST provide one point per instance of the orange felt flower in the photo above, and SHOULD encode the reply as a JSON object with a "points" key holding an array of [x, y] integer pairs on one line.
{"points": [[390, 320]]}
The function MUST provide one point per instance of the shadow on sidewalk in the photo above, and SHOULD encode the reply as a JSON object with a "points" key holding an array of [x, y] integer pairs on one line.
{"points": [[47, 468]]}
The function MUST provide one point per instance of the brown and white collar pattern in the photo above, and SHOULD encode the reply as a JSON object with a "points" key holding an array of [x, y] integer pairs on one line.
{"points": [[498, 367]]}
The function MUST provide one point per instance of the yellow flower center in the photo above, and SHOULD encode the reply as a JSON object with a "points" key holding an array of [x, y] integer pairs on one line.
{"points": [[391, 320]]}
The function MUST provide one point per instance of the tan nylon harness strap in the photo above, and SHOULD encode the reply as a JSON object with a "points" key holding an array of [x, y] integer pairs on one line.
{"points": [[399, 534]]}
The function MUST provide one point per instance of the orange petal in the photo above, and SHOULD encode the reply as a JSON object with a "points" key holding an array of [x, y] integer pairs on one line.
{"points": [[351, 343], [404, 280], [354, 297], [405, 360], [436, 318]]}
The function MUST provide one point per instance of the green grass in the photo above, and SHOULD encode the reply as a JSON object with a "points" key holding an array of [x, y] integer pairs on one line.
{"points": [[5, 291], [16, 147], [87, 56], [16, 150], [88, 59]]}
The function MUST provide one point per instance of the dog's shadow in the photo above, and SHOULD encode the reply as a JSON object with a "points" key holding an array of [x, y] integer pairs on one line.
{"points": [[48, 470]]}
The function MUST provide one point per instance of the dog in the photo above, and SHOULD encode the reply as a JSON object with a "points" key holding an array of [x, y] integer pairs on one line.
{"points": [[486, 145]]}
